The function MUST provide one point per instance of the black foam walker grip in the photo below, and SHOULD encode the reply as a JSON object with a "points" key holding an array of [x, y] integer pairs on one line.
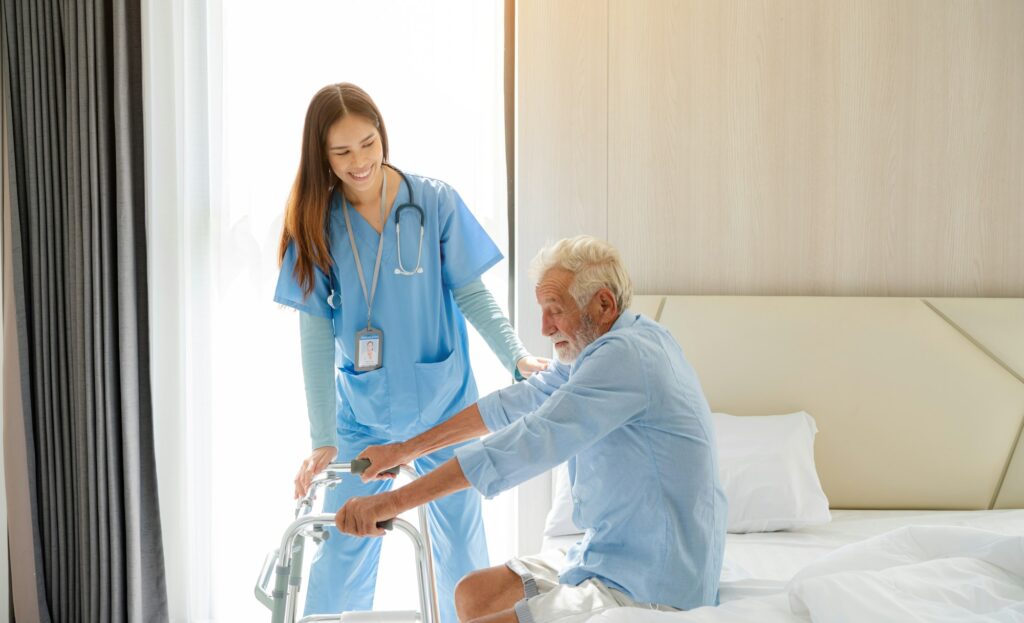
{"points": [[359, 466]]}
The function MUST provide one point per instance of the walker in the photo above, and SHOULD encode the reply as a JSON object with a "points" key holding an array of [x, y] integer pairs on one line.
{"points": [[285, 563]]}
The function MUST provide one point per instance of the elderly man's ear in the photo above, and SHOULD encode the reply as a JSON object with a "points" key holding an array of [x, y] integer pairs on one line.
{"points": [[604, 309]]}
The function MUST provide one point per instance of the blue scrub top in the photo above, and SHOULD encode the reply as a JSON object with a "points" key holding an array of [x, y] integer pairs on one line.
{"points": [[426, 376]]}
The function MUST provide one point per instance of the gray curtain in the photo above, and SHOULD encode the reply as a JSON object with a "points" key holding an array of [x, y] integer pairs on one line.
{"points": [[73, 101]]}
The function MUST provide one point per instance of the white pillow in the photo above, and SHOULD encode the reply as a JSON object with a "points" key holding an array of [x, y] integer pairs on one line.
{"points": [[766, 465]]}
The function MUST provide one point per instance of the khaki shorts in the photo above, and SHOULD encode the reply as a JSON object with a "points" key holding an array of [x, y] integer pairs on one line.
{"points": [[548, 601]]}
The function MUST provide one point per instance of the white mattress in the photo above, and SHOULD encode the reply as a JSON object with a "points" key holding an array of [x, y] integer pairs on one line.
{"points": [[760, 564]]}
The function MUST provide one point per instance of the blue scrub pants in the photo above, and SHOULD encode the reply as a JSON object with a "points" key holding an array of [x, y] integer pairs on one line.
{"points": [[344, 571]]}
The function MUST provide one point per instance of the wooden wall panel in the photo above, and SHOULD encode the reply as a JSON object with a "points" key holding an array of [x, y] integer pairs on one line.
{"points": [[784, 147], [562, 135], [561, 166], [712, 106], [929, 144]]}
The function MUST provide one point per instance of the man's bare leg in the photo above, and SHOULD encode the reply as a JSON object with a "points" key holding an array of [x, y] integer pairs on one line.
{"points": [[489, 593]]}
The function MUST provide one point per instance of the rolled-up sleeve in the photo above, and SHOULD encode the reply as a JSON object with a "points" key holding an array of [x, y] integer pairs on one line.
{"points": [[501, 408], [479, 469], [605, 390]]}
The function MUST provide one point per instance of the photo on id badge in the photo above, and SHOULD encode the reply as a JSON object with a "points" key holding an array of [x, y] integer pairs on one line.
{"points": [[369, 350]]}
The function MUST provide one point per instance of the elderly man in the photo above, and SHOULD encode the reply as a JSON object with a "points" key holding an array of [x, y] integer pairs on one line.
{"points": [[624, 408]]}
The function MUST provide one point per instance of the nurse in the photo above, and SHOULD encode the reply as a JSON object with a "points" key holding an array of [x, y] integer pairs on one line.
{"points": [[384, 266]]}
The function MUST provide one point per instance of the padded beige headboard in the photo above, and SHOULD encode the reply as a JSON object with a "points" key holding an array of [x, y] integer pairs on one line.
{"points": [[919, 402]]}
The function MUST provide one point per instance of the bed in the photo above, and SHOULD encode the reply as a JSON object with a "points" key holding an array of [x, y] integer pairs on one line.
{"points": [[918, 406]]}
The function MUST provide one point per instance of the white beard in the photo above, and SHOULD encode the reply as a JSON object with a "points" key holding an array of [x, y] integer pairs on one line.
{"points": [[587, 333]]}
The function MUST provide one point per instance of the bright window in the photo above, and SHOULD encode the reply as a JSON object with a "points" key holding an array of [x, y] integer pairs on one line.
{"points": [[435, 70]]}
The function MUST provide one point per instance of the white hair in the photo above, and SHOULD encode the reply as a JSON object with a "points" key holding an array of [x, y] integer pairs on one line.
{"points": [[595, 264]]}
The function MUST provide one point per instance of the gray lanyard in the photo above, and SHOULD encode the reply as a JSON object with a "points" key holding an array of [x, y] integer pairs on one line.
{"points": [[380, 247]]}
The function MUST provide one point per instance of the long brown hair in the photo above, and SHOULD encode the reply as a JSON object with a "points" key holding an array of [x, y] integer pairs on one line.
{"points": [[306, 211]]}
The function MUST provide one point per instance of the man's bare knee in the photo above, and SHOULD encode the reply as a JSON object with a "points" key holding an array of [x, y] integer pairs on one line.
{"points": [[467, 595], [486, 592]]}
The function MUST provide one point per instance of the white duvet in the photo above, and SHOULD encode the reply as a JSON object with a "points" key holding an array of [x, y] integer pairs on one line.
{"points": [[918, 573]]}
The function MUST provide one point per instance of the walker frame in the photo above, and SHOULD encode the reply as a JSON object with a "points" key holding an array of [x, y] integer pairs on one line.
{"points": [[285, 562]]}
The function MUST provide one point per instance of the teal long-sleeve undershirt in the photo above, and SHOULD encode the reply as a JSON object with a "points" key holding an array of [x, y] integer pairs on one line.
{"points": [[317, 341]]}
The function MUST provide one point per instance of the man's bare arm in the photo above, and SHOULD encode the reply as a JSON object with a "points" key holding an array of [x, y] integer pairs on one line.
{"points": [[361, 516], [463, 426], [445, 480]]}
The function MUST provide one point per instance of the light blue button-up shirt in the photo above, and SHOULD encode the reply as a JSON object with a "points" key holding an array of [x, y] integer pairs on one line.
{"points": [[630, 418]]}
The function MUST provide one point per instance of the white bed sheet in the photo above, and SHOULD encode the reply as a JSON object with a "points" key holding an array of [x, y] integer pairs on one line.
{"points": [[761, 563], [758, 566]]}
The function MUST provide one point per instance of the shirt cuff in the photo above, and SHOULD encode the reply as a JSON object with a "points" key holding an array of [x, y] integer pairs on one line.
{"points": [[520, 353], [479, 470], [492, 413]]}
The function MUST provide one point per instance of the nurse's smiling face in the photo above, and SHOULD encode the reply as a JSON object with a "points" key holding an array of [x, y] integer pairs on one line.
{"points": [[570, 328], [355, 153]]}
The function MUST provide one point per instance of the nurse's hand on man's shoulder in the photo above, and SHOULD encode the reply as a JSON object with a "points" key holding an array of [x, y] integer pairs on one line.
{"points": [[530, 364], [382, 458], [313, 465]]}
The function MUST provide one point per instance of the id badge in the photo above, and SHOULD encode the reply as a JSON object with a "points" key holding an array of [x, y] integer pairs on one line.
{"points": [[369, 349]]}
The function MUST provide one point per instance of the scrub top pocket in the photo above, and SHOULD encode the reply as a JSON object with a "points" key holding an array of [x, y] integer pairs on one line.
{"points": [[367, 396], [436, 387]]}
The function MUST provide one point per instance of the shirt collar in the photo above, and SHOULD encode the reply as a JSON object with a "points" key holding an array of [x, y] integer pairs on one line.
{"points": [[626, 319]]}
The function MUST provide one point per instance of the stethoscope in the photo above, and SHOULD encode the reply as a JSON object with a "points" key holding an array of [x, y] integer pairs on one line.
{"points": [[409, 205], [400, 270]]}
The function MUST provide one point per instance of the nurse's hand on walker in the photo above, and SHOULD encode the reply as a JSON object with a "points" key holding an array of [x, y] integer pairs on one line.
{"points": [[382, 458], [530, 364], [316, 463]]}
